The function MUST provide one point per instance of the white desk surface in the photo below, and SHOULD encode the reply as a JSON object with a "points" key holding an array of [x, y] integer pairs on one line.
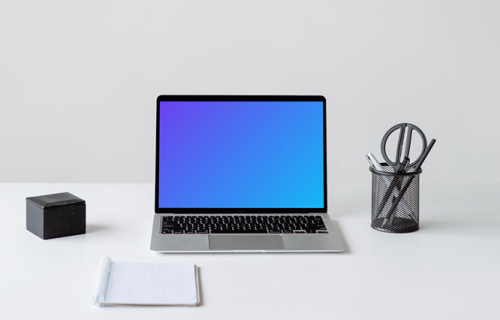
{"points": [[449, 269]]}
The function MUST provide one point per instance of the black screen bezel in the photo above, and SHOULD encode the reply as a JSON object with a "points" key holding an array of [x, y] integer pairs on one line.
{"points": [[238, 98]]}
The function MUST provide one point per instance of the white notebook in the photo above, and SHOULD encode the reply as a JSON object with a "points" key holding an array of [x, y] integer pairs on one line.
{"points": [[153, 284]]}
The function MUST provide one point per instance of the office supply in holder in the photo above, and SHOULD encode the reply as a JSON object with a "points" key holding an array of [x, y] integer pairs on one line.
{"points": [[146, 284], [377, 166], [397, 180], [410, 179], [400, 164]]}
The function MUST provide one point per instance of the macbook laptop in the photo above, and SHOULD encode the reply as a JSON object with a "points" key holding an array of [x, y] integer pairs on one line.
{"points": [[242, 174]]}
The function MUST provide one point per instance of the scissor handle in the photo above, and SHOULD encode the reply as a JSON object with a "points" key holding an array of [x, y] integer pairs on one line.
{"points": [[399, 165]]}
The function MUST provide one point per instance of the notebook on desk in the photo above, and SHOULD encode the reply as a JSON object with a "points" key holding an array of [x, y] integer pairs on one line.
{"points": [[242, 174], [146, 284]]}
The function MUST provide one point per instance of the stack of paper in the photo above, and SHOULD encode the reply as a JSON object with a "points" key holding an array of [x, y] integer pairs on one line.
{"points": [[125, 283]]}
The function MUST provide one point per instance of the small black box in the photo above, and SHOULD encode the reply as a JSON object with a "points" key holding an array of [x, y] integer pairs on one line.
{"points": [[55, 215]]}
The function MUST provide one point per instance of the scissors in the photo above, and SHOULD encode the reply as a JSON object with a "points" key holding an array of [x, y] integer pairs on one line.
{"points": [[401, 165]]}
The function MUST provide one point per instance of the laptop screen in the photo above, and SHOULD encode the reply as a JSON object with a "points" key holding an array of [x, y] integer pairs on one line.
{"points": [[241, 153]]}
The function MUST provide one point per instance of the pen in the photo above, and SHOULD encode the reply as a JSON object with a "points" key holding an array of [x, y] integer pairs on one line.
{"points": [[375, 164], [405, 187]]}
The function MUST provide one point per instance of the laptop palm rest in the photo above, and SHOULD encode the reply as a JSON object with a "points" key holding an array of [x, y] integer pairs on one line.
{"points": [[246, 242]]}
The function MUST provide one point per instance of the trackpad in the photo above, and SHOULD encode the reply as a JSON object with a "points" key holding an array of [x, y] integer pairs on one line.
{"points": [[246, 242]]}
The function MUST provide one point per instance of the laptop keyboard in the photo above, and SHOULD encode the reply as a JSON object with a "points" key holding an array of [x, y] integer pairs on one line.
{"points": [[199, 224]]}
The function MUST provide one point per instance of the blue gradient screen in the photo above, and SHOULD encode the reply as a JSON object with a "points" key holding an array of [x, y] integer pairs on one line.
{"points": [[240, 154]]}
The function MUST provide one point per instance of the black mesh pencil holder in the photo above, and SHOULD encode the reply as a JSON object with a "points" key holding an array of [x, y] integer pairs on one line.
{"points": [[395, 200]]}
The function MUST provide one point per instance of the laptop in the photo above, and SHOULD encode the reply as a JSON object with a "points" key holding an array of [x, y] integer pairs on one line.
{"points": [[241, 174]]}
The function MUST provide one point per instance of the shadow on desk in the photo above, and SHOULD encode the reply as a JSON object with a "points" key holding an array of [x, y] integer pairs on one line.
{"points": [[91, 228], [463, 224]]}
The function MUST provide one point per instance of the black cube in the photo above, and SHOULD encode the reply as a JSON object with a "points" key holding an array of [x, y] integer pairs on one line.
{"points": [[55, 215]]}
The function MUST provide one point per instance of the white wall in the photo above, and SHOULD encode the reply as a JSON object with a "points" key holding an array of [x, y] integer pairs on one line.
{"points": [[79, 79]]}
